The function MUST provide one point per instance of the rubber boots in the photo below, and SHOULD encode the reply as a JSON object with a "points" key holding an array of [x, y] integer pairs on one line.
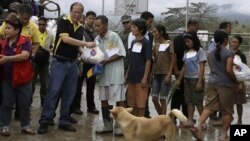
{"points": [[108, 122]]}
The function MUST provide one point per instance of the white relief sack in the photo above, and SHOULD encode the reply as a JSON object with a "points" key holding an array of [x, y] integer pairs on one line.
{"points": [[241, 70], [92, 55]]}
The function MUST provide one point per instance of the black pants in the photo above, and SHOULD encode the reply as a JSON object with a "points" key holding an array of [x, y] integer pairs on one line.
{"points": [[147, 112], [1, 94], [178, 100], [90, 88]]}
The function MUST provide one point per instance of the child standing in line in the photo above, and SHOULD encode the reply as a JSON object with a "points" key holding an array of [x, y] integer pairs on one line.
{"points": [[193, 72], [163, 54], [138, 72]]}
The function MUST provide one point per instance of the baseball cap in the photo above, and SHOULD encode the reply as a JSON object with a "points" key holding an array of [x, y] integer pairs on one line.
{"points": [[125, 18]]}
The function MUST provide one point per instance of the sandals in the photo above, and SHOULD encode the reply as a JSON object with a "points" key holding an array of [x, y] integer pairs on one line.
{"points": [[28, 131], [5, 132]]}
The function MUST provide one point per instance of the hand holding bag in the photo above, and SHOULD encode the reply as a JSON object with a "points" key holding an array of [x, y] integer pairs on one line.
{"points": [[241, 70], [92, 55]]}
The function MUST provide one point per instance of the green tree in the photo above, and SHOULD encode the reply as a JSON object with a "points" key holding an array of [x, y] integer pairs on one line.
{"points": [[202, 12], [174, 18]]}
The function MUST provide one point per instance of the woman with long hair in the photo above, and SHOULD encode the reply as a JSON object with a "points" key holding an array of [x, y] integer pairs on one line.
{"points": [[192, 72], [163, 54], [221, 86]]}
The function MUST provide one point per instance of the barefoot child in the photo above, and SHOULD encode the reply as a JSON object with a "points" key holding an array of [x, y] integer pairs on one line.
{"points": [[193, 72]]}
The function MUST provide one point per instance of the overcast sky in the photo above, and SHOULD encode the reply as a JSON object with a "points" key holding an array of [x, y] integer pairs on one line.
{"points": [[155, 6]]}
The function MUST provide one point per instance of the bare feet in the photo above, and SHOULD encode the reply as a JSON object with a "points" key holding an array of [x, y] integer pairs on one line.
{"points": [[204, 126], [181, 125], [197, 133], [223, 136], [189, 124], [239, 122], [218, 123]]}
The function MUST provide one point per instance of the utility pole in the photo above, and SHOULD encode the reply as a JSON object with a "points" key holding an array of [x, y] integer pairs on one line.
{"points": [[102, 7], [187, 8]]}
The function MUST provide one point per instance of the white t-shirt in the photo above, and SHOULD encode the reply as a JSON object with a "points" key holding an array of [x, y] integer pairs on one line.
{"points": [[131, 37]]}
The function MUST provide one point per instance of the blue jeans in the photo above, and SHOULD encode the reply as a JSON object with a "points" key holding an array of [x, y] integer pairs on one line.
{"points": [[62, 84], [22, 94], [160, 89]]}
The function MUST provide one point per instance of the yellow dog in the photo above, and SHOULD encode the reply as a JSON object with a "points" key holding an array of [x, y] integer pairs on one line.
{"points": [[146, 129]]}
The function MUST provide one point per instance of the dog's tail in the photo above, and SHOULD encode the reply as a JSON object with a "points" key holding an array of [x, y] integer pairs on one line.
{"points": [[177, 113]]}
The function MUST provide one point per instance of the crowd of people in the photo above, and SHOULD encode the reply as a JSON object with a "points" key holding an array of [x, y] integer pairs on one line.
{"points": [[139, 62]]}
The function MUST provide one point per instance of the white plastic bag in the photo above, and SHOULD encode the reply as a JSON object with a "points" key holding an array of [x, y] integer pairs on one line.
{"points": [[241, 70], [92, 55]]}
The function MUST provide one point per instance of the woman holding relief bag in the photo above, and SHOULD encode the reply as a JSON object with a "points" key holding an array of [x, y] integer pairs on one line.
{"points": [[240, 96]]}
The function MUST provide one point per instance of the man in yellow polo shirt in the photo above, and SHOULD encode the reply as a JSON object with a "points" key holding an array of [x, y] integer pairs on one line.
{"points": [[41, 58], [10, 15], [29, 30]]}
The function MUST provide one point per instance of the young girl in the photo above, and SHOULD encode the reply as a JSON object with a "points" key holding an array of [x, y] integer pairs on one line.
{"points": [[193, 72], [137, 75], [17, 73], [163, 53], [221, 86], [240, 96]]}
